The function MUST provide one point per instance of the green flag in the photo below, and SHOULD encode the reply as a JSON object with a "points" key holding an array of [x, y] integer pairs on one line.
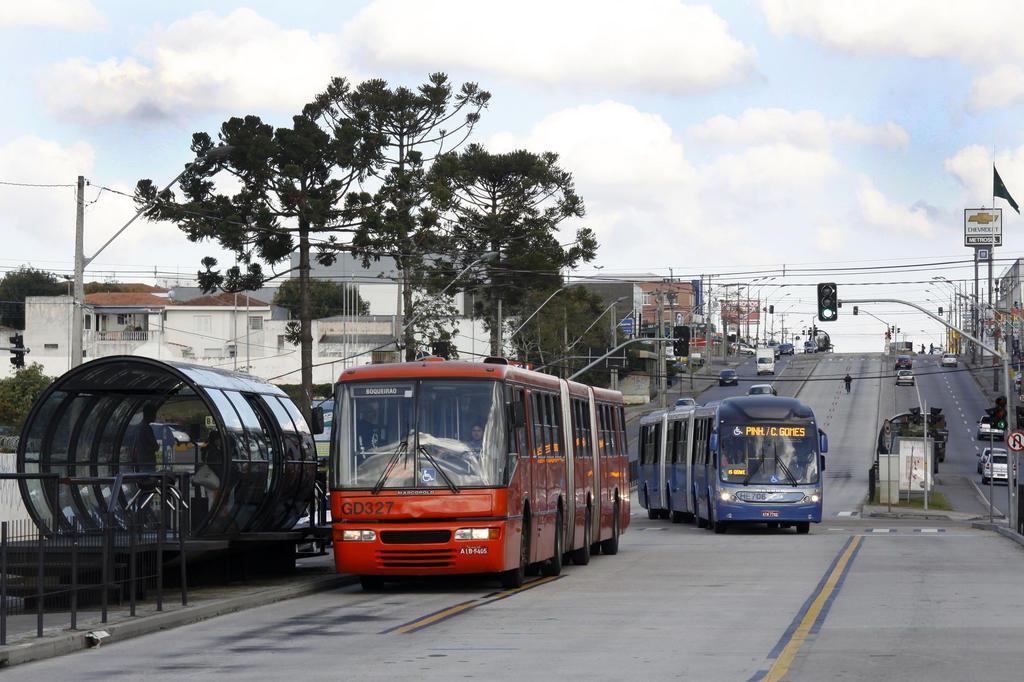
{"points": [[999, 189]]}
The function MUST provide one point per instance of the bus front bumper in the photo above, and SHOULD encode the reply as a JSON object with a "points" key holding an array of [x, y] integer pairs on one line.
{"points": [[398, 549], [733, 511]]}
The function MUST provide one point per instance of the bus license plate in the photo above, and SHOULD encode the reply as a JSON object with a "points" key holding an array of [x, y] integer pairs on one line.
{"points": [[770, 513]]}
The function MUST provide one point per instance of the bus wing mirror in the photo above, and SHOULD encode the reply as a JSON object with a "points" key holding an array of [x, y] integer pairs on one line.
{"points": [[316, 419], [518, 414], [824, 442], [713, 442]]}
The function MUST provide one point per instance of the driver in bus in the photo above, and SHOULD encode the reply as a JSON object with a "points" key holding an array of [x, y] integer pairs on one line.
{"points": [[368, 432], [476, 438]]}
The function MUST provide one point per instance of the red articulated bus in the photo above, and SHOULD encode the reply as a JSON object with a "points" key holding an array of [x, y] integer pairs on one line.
{"points": [[442, 467]]}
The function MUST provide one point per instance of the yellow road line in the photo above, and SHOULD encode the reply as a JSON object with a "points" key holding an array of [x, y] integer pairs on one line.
{"points": [[785, 659], [452, 611]]}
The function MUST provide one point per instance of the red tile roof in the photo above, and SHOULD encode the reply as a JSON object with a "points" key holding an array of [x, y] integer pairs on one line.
{"points": [[127, 287], [226, 300], [116, 298]]}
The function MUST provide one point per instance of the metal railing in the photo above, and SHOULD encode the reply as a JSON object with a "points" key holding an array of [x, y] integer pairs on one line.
{"points": [[54, 574]]}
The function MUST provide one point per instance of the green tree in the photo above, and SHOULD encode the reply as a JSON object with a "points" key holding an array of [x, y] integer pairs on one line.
{"points": [[511, 204], [558, 338], [19, 392], [326, 298], [25, 281], [398, 220], [294, 182]]}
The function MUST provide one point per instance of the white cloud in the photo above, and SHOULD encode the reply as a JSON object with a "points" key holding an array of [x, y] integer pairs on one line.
{"points": [[1000, 87], [972, 31], [649, 203], [71, 15], [881, 213], [205, 62], [830, 239], [972, 168], [34, 213], [802, 128], [661, 45]]}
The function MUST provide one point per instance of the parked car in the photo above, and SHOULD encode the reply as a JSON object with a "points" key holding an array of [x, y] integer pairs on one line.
{"points": [[785, 349], [948, 360], [727, 377], [686, 402], [988, 432], [904, 377], [904, 362], [762, 389], [743, 348], [992, 463], [810, 347]]}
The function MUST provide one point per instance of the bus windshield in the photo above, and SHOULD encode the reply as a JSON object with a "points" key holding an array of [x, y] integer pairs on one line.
{"points": [[430, 433], [761, 453]]}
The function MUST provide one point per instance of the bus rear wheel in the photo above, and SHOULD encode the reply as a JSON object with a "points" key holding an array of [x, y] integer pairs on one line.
{"points": [[803, 527], [720, 527], [581, 556], [517, 576]]}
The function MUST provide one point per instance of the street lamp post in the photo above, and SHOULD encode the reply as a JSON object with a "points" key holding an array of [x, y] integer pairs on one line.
{"points": [[489, 256], [534, 313], [82, 262]]}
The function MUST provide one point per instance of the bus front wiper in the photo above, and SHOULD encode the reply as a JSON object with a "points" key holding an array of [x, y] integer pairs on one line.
{"points": [[451, 485], [785, 469], [402, 447]]}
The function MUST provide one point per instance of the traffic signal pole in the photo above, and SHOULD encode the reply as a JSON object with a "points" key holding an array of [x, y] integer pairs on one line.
{"points": [[1011, 487]]}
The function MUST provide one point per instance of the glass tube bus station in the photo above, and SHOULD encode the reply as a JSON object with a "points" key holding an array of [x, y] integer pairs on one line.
{"points": [[123, 440]]}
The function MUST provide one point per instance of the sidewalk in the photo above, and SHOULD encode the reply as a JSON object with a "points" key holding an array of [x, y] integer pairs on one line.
{"points": [[310, 576]]}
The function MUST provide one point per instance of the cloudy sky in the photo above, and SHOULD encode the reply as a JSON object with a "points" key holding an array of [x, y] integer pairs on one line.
{"points": [[725, 137]]}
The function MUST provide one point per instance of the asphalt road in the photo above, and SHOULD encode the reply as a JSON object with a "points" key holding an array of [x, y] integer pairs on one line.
{"points": [[856, 599], [961, 400]]}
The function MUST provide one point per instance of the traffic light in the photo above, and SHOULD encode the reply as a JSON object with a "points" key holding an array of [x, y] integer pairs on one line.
{"points": [[828, 301], [18, 350], [771, 310], [940, 310], [999, 414], [856, 310], [1020, 416], [681, 341]]}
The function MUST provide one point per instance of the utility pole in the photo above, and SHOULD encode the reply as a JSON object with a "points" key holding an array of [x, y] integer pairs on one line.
{"points": [[79, 300], [662, 371]]}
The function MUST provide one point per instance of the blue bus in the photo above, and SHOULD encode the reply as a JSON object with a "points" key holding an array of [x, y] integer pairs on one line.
{"points": [[746, 459], [668, 444]]}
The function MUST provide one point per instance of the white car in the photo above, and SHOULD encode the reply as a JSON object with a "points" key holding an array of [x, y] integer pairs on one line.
{"points": [[762, 389], [992, 464], [743, 349], [988, 432], [948, 360], [904, 377]]}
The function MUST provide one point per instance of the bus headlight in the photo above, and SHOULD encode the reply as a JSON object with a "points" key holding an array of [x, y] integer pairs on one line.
{"points": [[358, 535], [726, 496], [476, 534], [813, 497]]}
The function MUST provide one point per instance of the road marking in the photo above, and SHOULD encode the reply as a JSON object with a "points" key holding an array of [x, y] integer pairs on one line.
{"points": [[879, 530], [813, 613], [452, 611], [929, 530], [848, 513]]}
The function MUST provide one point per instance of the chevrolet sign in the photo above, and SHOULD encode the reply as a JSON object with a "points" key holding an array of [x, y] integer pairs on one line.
{"points": [[982, 225]]}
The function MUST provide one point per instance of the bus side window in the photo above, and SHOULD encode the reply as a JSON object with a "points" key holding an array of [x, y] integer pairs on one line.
{"points": [[519, 436], [642, 446], [538, 429], [558, 430], [675, 443]]}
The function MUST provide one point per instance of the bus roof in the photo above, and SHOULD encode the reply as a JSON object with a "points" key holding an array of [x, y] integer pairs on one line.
{"points": [[460, 369], [762, 408]]}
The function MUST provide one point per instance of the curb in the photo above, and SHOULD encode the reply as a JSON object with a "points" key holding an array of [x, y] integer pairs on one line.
{"points": [[1001, 530], [882, 512], [68, 642]]}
